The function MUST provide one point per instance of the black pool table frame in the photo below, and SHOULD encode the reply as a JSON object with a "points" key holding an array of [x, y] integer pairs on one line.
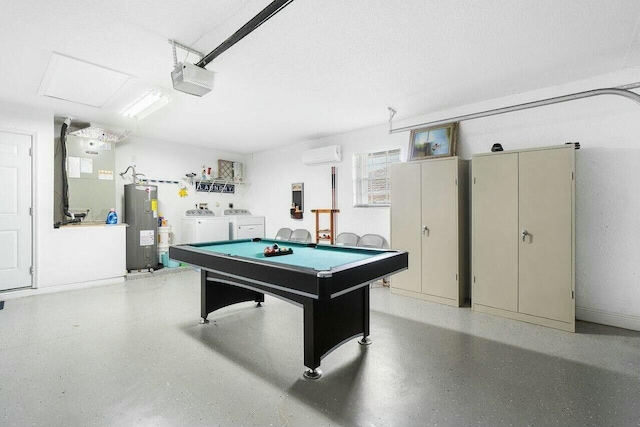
{"points": [[335, 302]]}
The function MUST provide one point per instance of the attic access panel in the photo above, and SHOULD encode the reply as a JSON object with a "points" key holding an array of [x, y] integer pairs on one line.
{"points": [[82, 82]]}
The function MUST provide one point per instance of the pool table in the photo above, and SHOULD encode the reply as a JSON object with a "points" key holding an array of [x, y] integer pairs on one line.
{"points": [[331, 283]]}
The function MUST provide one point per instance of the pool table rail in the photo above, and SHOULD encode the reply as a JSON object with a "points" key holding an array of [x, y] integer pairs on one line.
{"points": [[318, 284]]}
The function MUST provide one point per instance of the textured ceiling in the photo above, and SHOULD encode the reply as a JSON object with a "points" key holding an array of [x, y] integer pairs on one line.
{"points": [[318, 67]]}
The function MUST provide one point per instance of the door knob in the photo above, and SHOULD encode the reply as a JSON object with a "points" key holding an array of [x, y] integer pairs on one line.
{"points": [[525, 233], [425, 230]]}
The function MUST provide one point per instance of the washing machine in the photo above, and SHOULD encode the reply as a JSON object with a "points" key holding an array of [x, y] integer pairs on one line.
{"points": [[243, 225], [202, 225]]}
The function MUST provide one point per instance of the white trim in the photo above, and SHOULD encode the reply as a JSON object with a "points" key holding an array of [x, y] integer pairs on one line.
{"points": [[35, 212], [360, 168], [27, 292], [619, 320]]}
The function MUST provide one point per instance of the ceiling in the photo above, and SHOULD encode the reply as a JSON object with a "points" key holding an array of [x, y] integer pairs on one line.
{"points": [[317, 68]]}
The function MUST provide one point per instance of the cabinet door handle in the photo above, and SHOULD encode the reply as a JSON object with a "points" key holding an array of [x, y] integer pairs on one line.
{"points": [[525, 233], [425, 230]]}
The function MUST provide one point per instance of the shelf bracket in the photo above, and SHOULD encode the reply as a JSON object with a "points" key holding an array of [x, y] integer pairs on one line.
{"points": [[392, 113]]}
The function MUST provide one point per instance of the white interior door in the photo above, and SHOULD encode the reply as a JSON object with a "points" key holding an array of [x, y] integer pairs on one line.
{"points": [[15, 215]]}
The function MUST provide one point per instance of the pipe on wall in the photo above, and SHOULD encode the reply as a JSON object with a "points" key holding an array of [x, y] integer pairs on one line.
{"points": [[624, 91]]}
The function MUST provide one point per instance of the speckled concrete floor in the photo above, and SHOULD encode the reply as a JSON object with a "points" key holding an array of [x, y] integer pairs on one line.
{"points": [[135, 354]]}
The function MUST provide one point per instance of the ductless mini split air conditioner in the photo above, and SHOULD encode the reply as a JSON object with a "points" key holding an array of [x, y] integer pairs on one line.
{"points": [[318, 156]]}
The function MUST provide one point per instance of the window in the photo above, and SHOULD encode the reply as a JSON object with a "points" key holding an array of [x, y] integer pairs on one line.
{"points": [[371, 177]]}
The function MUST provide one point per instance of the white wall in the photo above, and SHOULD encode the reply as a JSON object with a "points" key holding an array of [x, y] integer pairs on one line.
{"points": [[40, 123], [276, 170], [607, 188], [608, 200], [607, 197], [69, 256], [60, 257], [161, 160]]}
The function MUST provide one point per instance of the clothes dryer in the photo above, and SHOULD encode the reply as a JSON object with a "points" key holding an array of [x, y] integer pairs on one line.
{"points": [[243, 225], [202, 225]]}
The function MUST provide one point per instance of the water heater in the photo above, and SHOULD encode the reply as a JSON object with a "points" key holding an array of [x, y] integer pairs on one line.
{"points": [[141, 216]]}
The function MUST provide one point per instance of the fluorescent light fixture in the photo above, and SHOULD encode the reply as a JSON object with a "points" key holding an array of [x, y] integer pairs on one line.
{"points": [[147, 103]]}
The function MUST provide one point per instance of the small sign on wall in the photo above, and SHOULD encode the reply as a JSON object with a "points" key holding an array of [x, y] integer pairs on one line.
{"points": [[105, 175], [214, 187]]}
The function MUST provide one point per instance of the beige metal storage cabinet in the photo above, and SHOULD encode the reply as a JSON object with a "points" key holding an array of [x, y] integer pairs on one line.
{"points": [[523, 213], [429, 205]]}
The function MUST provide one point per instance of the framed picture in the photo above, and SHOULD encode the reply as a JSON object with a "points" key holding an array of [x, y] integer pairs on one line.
{"points": [[436, 141]]}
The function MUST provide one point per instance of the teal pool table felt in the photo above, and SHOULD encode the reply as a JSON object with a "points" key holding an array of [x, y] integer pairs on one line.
{"points": [[319, 258]]}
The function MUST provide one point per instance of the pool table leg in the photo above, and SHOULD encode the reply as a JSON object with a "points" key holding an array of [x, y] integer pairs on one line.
{"points": [[329, 323], [312, 374], [215, 294], [365, 340]]}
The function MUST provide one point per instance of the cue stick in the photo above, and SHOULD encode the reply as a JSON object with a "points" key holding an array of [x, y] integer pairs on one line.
{"points": [[333, 204], [333, 187]]}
